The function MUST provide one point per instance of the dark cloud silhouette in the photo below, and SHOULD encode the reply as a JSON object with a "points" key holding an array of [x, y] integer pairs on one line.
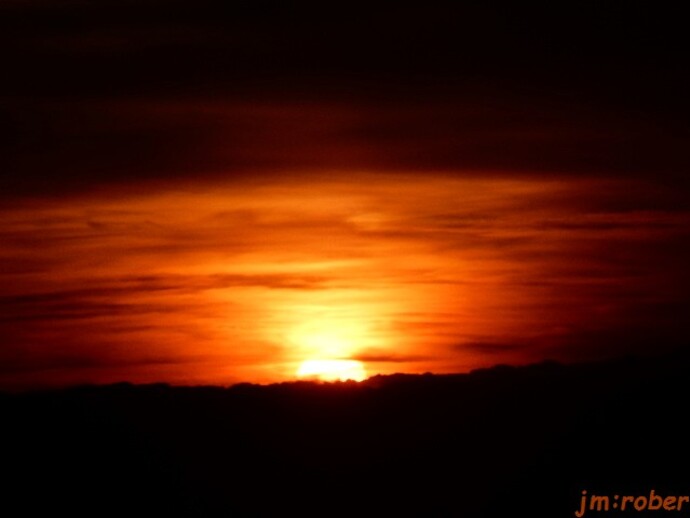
{"points": [[87, 143], [490, 347], [67, 361], [373, 356], [118, 297], [116, 93]]}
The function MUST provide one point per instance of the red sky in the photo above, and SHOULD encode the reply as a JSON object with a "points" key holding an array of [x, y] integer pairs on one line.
{"points": [[213, 282], [195, 193]]}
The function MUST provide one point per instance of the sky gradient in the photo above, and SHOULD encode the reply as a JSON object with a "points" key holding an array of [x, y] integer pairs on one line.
{"points": [[199, 193], [216, 282]]}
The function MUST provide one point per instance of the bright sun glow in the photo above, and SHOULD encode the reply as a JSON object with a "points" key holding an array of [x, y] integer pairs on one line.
{"points": [[330, 336], [332, 370]]}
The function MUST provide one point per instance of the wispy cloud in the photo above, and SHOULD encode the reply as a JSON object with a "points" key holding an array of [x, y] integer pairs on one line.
{"points": [[434, 273]]}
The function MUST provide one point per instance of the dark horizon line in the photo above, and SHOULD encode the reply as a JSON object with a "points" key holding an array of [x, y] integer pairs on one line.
{"points": [[677, 355]]}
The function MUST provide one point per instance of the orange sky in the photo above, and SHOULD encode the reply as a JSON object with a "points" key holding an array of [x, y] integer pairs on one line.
{"points": [[212, 282], [215, 192]]}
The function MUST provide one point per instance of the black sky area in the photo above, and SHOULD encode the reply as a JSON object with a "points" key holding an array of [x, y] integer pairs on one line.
{"points": [[592, 88]]}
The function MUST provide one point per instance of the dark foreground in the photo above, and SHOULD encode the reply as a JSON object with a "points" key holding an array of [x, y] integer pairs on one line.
{"points": [[500, 442]]}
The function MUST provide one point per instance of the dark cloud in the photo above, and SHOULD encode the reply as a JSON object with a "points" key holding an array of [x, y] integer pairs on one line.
{"points": [[67, 361], [374, 356], [490, 348], [94, 301], [210, 42], [52, 146], [124, 92]]}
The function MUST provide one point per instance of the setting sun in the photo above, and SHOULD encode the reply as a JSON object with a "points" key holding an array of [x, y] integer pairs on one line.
{"points": [[332, 370]]}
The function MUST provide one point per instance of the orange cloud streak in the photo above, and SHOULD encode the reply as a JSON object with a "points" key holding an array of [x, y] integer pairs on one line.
{"points": [[242, 282]]}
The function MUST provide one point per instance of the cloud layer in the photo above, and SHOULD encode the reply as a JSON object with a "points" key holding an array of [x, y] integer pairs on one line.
{"points": [[243, 280]]}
